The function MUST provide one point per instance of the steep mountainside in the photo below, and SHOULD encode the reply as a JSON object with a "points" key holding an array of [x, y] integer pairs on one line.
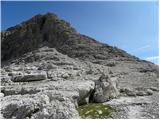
{"points": [[51, 71], [49, 30]]}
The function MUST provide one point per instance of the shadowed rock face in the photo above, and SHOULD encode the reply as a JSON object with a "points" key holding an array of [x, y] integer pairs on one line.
{"points": [[52, 69], [36, 32]]}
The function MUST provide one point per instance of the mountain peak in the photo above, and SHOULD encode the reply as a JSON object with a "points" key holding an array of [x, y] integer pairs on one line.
{"points": [[41, 19], [40, 29], [49, 30]]}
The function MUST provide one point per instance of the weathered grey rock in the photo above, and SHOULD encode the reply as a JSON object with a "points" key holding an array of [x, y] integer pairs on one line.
{"points": [[75, 92], [38, 106], [85, 89], [1, 95], [149, 92], [105, 89], [154, 88], [56, 73], [47, 66], [15, 73], [30, 77], [5, 79], [65, 76], [136, 92], [130, 92], [141, 93]]}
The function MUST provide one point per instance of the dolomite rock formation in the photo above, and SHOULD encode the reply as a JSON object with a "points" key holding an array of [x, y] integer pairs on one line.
{"points": [[57, 69]]}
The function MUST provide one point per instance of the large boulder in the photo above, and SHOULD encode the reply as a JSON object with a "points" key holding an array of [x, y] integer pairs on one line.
{"points": [[105, 89], [85, 89]]}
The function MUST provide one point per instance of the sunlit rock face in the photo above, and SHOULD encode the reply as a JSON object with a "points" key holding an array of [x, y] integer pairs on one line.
{"points": [[49, 71]]}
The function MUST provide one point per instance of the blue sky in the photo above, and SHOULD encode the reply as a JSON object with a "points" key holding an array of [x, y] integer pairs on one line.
{"points": [[131, 26]]}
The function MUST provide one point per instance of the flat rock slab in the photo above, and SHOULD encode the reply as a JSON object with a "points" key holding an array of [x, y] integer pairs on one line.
{"points": [[30, 77]]}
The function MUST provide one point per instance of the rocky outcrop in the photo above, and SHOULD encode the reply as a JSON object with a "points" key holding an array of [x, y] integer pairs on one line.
{"points": [[36, 94], [137, 91], [58, 99], [85, 91], [105, 89], [38, 106]]}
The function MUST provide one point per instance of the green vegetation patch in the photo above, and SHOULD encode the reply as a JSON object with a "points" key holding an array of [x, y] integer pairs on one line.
{"points": [[95, 111]]}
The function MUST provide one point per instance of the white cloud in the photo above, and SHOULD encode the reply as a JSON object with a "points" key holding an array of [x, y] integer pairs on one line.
{"points": [[141, 48], [152, 58]]}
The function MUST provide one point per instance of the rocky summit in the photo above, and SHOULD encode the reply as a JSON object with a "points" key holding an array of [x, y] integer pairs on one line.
{"points": [[50, 71]]}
